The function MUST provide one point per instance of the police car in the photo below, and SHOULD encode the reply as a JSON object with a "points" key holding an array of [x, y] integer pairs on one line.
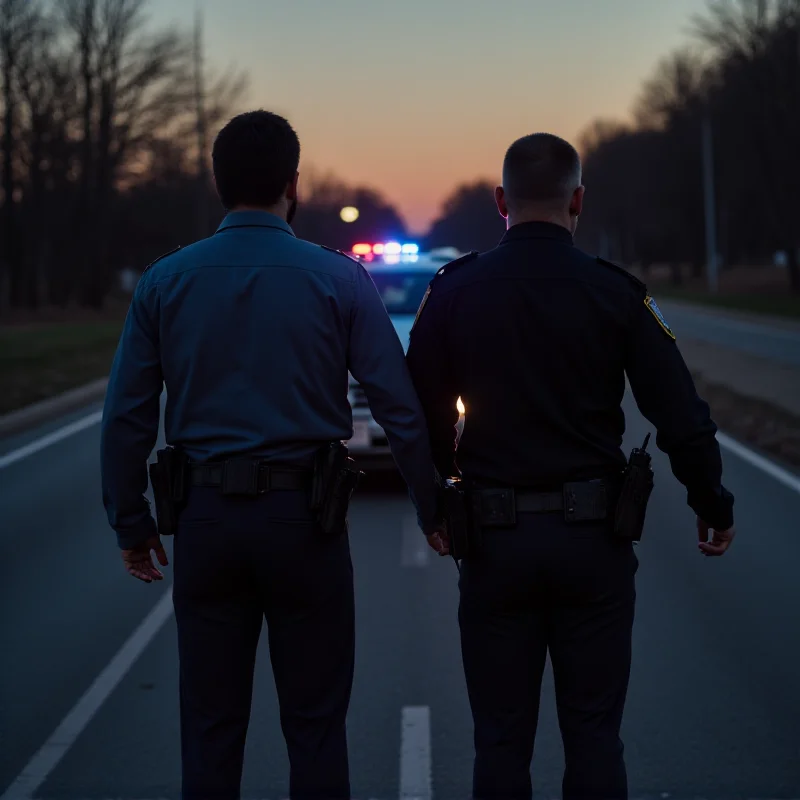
{"points": [[401, 274]]}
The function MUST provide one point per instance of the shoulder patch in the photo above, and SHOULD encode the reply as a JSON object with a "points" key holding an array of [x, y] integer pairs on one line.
{"points": [[622, 271], [445, 270], [339, 252], [653, 308], [161, 257]]}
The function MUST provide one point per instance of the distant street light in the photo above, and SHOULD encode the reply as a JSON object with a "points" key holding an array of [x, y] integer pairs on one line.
{"points": [[349, 214]]}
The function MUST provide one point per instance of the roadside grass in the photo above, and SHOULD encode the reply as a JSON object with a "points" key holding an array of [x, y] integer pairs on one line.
{"points": [[751, 289], [40, 360], [776, 305]]}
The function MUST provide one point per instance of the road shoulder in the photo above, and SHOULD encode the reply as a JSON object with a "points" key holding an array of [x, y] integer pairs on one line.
{"points": [[29, 417]]}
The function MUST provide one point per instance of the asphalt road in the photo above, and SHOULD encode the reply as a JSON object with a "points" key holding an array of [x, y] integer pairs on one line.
{"points": [[712, 712], [774, 340]]}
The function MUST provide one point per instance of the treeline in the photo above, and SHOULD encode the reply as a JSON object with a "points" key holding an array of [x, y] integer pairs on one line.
{"points": [[645, 200], [107, 126], [740, 79], [104, 122]]}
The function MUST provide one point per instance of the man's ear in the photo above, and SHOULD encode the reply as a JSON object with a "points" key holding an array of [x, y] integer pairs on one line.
{"points": [[500, 199], [291, 189], [576, 203]]}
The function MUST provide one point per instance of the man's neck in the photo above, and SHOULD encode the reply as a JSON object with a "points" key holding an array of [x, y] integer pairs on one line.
{"points": [[278, 210], [553, 219]]}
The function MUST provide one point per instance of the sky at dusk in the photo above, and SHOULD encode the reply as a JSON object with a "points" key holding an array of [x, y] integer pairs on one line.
{"points": [[413, 97]]}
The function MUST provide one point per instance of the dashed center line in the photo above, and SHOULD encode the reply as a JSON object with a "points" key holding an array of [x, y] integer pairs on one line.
{"points": [[415, 754]]}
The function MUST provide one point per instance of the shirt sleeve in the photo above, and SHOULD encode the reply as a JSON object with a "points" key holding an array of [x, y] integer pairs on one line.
{"points": [[376, 360], [430, 371], [130, 421], [666, 395]]}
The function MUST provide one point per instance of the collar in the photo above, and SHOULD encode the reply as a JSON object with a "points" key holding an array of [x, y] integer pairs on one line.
{"points": [[254, 219], [537, 230]]}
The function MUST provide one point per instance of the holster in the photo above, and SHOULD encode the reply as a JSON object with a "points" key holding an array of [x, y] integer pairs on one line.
{"points": [[463, 528], [169, 477], [334, 481], [637, 485]]}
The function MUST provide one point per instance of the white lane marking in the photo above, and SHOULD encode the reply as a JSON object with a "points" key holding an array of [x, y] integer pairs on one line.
{"points": [[415, 754], [414, 552], [56, 436], [64, 736], [764, 464]]}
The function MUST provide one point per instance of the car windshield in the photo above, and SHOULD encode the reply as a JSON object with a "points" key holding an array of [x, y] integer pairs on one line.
{"points": [[401, 292]]}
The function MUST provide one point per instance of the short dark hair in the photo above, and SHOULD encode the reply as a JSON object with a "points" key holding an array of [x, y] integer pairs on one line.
{"points": [[540, 169], [255, 156]]}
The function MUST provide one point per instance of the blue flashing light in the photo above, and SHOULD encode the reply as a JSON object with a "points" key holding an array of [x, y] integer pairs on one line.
{"points": [[410, 249], [392, 249]]}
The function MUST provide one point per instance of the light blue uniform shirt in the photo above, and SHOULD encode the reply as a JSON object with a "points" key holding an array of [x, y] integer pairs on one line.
{"points": [[253, 332]]}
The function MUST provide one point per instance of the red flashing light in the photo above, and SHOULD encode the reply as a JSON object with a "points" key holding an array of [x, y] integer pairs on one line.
{"points": [[362, 249], [378, 249]]}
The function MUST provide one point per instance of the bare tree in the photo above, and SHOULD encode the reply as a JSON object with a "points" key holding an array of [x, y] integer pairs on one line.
{"points": [[757, 47], [94, 102], [49, 104], [18, 22], [132, 83], [677, 89]]}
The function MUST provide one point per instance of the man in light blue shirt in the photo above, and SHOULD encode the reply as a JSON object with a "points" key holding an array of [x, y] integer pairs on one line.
{"points": [[253, 333]]}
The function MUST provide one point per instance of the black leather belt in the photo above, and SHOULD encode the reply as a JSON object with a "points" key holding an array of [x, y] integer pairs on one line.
{"points": [[579, 501], [539, 502], [260, 478]]}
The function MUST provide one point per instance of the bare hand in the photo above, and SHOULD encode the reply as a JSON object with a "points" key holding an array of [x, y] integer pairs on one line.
{"points": [[439, 541], [139, 562], [720, 540]]}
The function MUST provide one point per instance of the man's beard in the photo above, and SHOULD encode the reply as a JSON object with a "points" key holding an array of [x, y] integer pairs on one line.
{"points": [[291, 212]]}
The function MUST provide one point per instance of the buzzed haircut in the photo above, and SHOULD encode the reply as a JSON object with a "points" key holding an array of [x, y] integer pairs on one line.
{"points": [[540, 170], [255, 156]]}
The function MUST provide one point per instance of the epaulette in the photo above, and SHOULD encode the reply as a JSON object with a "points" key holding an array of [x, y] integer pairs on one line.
{"points": [[445, 270], [459, 262], [622, 271], [160, 258], [339, 252]]}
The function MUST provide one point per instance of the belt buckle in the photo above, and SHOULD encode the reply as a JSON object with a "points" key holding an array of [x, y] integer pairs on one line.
{"points": [[240, 477]]}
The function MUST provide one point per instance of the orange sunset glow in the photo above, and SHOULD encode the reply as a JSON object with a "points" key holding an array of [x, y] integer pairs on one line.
{"points": [[416, 97]]}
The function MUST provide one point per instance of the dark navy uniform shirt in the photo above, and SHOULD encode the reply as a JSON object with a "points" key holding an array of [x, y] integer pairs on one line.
{"points": [[252, 333], [537, 337]]}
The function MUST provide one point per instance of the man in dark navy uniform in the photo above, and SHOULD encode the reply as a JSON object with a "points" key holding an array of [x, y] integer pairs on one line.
{"points": [[253, 332], [537, 337]]}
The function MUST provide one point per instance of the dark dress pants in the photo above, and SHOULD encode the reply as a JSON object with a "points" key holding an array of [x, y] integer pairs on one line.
{"points": [[564, 588], [238, 561]]}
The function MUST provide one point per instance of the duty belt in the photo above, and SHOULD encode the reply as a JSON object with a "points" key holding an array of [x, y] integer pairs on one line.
{"points": [[249, 477], [579, 501]]}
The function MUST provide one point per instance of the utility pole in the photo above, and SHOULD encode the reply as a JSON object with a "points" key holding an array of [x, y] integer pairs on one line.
{"points": [[202, 140], [710, 204]]}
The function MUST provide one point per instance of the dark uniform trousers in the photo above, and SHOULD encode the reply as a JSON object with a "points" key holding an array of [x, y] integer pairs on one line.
{"points": [[546, 585], [236, 562]]}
